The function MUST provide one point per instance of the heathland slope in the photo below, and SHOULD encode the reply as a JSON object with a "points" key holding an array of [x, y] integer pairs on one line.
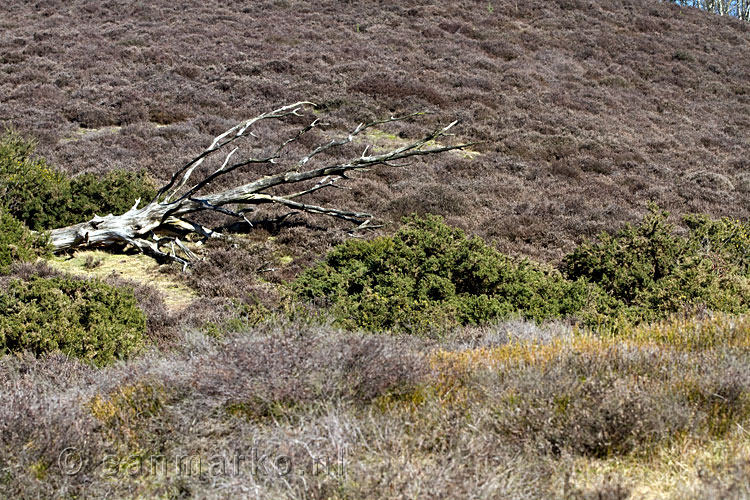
{"points": [[250, 379], [586, 109]]}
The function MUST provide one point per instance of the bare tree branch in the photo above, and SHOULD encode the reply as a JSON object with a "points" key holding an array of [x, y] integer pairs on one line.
{"points": [[156, 228]]}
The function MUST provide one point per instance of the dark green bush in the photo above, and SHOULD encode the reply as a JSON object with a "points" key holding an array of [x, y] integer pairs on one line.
{"points": [[17, 242], [84, 318], [114, 194], [649, 271], [30, 190], [726, 240], [430, 275], [44, 198]]}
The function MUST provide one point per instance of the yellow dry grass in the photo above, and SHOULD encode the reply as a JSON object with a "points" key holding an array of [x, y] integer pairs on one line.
{"points": [[83, 133], [694, 334], [134, 267], [672, 472], [384, 141]]}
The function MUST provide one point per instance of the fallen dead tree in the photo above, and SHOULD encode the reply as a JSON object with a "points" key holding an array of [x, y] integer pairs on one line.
{"points": [[151, 228]]}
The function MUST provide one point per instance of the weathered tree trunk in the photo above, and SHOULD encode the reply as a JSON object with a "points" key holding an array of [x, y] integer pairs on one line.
{"points": [[151, 228]]}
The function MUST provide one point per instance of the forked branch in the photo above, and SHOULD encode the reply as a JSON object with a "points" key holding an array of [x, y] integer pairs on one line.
{"points": [[157, 228]]}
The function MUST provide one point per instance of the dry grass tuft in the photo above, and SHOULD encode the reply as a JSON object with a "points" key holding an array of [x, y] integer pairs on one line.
{"points": [[137, 268]]}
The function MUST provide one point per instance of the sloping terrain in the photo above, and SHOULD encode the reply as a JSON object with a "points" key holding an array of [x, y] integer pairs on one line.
{"points": [[238, 386], [587, 109]]}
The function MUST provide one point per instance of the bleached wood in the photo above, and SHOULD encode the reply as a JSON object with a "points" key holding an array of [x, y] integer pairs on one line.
{"points": [[152, 228]]}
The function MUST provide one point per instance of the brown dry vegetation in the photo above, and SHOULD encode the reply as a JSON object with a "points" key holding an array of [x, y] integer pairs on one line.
{"points": [[586, 110], [511, 411]]}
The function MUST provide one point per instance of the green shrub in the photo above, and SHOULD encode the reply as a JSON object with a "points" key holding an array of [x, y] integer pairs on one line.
{"points": [[44, 198], [429, 275], [726, 240], [649, 271], [114, 194], [84, 318], [17, 242], [30, 190]]}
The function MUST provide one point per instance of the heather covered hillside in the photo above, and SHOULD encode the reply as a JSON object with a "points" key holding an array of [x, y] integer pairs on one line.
{"points": [[586, 110], [552, 299]]}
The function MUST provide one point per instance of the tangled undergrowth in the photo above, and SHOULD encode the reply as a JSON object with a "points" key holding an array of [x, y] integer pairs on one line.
{"points": [[585, 110], [514, 411], [511, 409]]}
